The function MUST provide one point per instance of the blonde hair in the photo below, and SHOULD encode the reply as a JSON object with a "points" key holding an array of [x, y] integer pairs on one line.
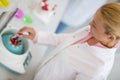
{"points": [[111, 15]]}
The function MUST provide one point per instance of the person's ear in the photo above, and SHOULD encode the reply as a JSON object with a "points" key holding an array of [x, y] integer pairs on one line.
{"points": [[111, 37]]}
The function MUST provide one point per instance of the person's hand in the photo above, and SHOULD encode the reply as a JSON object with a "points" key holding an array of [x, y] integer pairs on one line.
{"points": [[31, 32]]}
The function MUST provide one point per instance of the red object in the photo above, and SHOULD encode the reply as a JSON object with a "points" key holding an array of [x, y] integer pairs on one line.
{"points": [[13, 41], [44, 0], [45, 7], [15, 38], [20, 34]]}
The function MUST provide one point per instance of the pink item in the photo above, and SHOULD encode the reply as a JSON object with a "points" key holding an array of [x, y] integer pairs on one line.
{"points": [[19, 14]]}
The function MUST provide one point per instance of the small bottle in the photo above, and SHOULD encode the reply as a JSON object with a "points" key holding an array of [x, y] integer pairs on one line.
{"points": [[44, 11]]}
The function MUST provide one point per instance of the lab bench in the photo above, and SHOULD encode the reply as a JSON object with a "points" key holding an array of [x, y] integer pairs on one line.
{"points": [[37, 51]]}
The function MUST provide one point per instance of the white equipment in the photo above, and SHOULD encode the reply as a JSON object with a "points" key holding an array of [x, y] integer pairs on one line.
{"points": [[13, 57]]}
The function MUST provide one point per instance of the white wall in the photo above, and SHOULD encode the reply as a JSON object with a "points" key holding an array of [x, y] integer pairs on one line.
{"points": [[115, 73]]}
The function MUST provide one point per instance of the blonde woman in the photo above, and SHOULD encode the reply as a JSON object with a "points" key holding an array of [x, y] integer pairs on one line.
{"points": [[87, 54]]}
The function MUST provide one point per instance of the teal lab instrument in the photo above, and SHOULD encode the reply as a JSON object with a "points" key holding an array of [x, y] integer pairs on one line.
{"points": [[14, 57]]}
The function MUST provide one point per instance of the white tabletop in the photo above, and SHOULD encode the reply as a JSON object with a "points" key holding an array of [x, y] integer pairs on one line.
{"points": [[36, 50]]}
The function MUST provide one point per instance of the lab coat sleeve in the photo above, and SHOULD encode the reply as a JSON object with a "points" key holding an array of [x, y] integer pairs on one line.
{"points": [[48, 38], [53, 39]]}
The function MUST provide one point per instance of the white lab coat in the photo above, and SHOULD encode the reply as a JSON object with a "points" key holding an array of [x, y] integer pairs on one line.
{"points": [[74, 62]]}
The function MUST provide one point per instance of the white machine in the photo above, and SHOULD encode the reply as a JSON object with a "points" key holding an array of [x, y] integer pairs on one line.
{"points": [[13, 57]]}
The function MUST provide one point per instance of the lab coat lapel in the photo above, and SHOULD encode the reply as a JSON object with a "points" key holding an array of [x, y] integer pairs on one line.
{"points": [[73, 38]]}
